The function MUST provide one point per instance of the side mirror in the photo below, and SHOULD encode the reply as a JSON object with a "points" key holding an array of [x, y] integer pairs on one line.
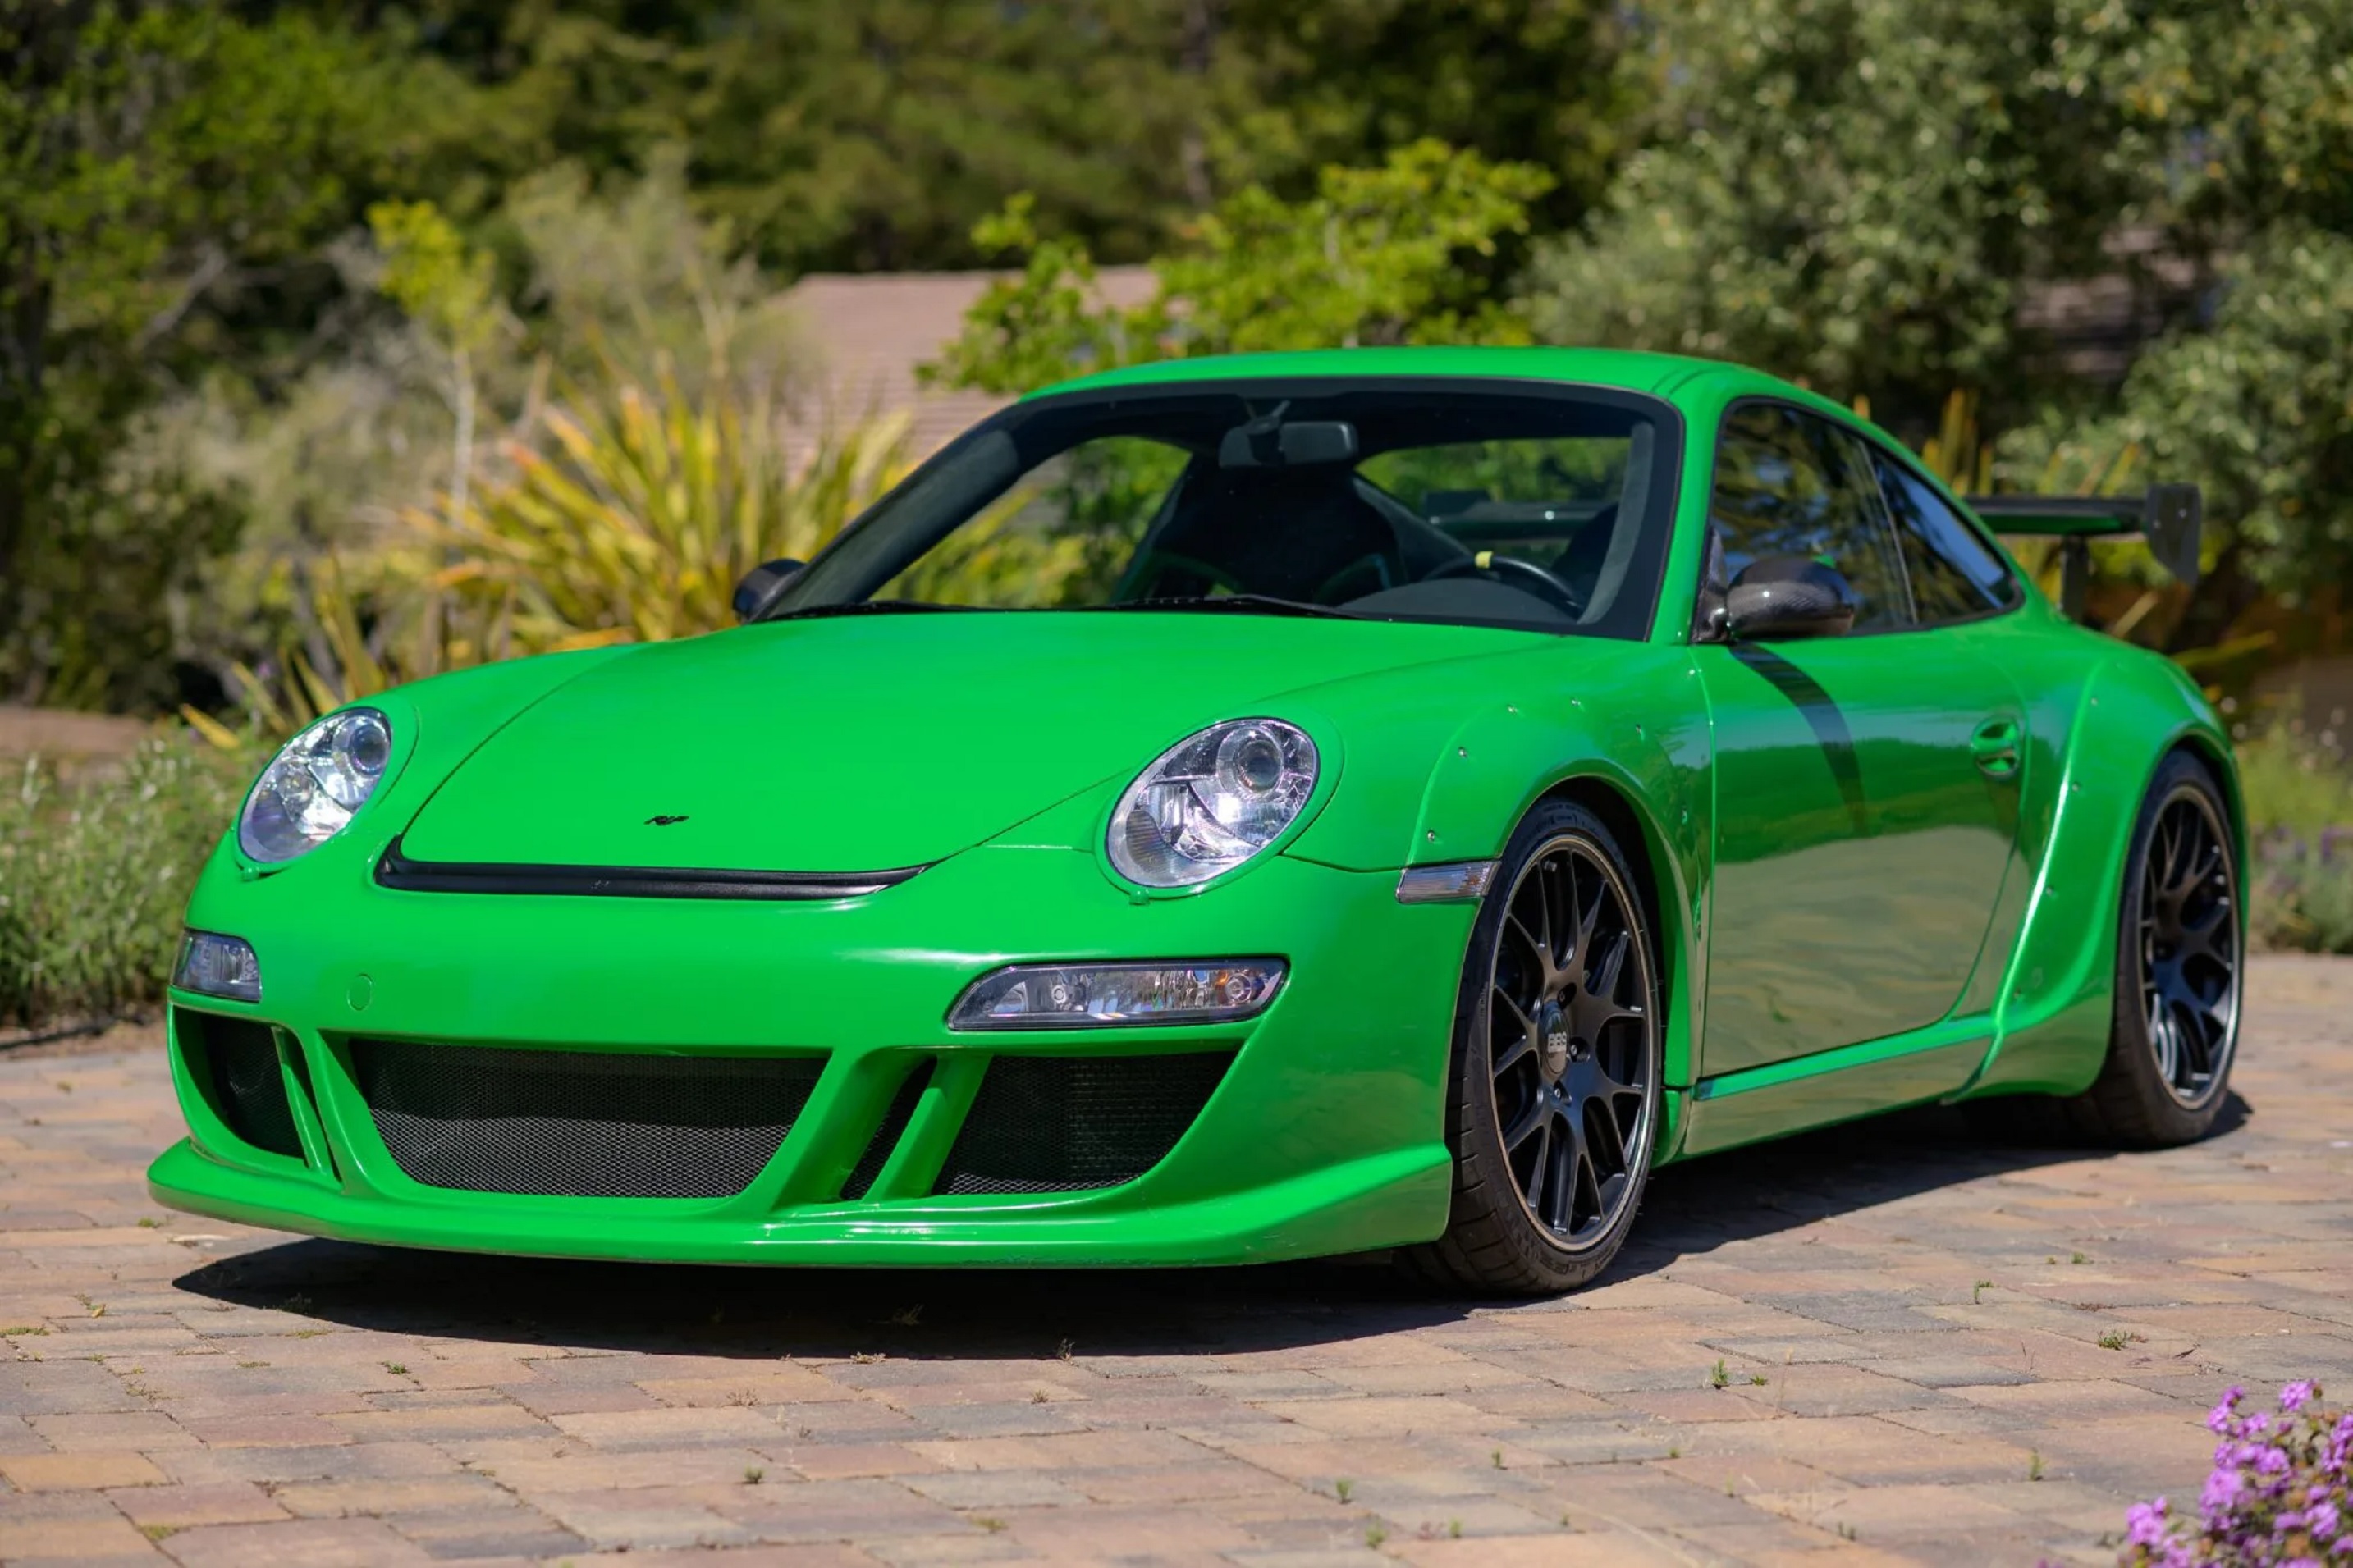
{"points": [[1786, 596], [762, 584]]}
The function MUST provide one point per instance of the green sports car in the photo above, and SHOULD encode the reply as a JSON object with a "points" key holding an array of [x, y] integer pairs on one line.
{"points": [[1237, 809]]}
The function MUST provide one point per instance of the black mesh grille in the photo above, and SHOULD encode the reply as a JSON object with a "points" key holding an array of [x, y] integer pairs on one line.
{"points": [[1057, 1124], [886, 1136], [580, 1124], [235, 1060]]}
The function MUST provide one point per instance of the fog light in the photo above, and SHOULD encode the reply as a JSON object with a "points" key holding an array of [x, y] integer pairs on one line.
{"points": [[1087, 996], [217, 965]]}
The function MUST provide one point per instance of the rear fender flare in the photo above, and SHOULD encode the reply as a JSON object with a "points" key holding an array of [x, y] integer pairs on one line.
{"points": [[2053, 1014]]}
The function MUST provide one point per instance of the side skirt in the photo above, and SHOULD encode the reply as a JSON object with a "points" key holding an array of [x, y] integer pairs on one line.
{"points": [[1830, 1086]]}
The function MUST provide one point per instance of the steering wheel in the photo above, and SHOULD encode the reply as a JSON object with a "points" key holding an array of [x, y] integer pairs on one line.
{"points": [[1538, 579]]}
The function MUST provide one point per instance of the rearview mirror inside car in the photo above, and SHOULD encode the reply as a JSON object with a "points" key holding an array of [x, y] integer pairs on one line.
{"points": [[1303, 443]]}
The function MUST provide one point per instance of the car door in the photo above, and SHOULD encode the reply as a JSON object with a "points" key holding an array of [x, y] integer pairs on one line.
{"points": [[1865, 783]]}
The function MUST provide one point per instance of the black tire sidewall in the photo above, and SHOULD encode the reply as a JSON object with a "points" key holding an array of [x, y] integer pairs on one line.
{"points": [[1476, 1135], [2135, 1095]]}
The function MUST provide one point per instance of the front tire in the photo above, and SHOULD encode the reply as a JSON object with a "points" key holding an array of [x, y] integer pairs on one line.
{"points": [[2180, 964], [1553, 1102]]}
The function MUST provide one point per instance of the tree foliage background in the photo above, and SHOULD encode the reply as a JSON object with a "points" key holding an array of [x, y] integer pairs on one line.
{"points": [[275, 274]]}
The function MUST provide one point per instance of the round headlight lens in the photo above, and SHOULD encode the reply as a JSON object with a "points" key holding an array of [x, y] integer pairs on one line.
{"points": [[314, 784], [1212, 801]]}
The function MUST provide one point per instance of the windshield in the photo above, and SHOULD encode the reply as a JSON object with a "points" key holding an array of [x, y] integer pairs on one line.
{"points": [[1496, 503]]}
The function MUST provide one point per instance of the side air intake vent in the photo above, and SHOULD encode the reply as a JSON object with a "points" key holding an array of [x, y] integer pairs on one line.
{"points": [[234, 1064], [580, 1124], [886, 1136], [1059, 1124]]}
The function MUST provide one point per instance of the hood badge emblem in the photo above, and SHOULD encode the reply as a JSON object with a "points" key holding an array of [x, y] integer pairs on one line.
{"points": [[663, 821]]}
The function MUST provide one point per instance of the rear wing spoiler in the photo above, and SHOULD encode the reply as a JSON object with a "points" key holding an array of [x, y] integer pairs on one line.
{"points": [[2170, 518]]}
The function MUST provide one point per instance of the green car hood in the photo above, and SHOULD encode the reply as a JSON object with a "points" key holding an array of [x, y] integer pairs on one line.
{"points": [[863, 743]]}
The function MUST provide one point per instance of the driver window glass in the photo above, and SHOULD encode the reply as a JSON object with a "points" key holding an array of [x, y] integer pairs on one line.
{"points": [[1787, 483], [1062, 536], [1954, 574]]}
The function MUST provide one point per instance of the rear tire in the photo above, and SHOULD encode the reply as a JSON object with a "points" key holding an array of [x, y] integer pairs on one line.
{"points": [[2180, 968], [1553, 1100]]}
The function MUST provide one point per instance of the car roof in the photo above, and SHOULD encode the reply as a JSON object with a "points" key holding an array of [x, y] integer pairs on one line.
{"points": [[1630, 370]]}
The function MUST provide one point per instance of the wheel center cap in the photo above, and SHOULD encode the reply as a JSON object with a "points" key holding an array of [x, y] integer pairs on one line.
{"points": [[1553, 1039]]}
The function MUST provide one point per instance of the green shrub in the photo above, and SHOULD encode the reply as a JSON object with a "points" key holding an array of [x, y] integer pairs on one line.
{"points": [[95, 872], [2299, 794], [630, 520]]}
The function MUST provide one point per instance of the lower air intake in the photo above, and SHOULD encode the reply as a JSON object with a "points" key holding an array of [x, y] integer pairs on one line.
{"points": [[580, 1124], [235, 1062], [1061, 1124], [892, 1127]]}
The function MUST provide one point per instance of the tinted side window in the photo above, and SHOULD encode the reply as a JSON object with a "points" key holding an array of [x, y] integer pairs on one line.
{"points": [[1790, 484], [1955, 575]]}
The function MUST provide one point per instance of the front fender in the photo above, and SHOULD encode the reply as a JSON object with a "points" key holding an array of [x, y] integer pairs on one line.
{"points": [[1458, 770]]}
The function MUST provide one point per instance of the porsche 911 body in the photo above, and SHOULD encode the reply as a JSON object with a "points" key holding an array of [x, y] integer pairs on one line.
{"points": [[666, 951]]}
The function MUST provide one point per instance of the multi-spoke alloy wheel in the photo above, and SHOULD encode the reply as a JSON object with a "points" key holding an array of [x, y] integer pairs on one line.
{"points": [[2180, 955], [1555, 1092], [1568, 1040], [2189, 946]]}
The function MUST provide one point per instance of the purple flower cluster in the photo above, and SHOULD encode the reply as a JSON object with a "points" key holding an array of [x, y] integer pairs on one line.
{"points": [[2281, 1493]]}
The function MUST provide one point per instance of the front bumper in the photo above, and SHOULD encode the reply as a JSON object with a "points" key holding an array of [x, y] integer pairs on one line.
{"points": [[1324, 1135]]}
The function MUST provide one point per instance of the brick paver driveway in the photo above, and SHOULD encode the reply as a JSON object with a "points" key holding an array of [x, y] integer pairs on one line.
{"points": [[1888, 1343]]}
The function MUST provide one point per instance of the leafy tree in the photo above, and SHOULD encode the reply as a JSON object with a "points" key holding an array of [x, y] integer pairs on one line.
{"points": [[831, 136], [2247, 108], [1557, 83], [450, 291], [1858, 196], [618, 286], [875, 135], [1866, 197], [166, 173], [1376, 256]]}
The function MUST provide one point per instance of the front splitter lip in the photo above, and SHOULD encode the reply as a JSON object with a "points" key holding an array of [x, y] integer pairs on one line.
{"points": [[1392, 1198]]}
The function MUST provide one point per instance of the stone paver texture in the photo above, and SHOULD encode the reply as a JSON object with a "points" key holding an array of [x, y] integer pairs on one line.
{"points": [[1893, 1342]]}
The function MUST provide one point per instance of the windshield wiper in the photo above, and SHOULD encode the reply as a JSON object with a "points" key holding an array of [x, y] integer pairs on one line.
{"points": [[1247, 604], [866, 607]]}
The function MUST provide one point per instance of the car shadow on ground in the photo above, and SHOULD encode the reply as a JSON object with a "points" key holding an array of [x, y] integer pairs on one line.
{"points": [[677, 1308]]}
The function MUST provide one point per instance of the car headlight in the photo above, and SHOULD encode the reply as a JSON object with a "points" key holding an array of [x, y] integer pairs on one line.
{"points": [[314, 786], [1212, 801]]}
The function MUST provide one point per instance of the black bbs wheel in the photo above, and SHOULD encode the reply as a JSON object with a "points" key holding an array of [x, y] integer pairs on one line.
{"points": [[1554, 1102], [2180, 959]]}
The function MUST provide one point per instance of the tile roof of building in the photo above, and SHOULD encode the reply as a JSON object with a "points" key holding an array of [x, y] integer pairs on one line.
{"points": [[869, 331]]}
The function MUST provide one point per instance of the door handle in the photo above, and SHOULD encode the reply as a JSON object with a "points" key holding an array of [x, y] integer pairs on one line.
{"points": [[1994, 747]]}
